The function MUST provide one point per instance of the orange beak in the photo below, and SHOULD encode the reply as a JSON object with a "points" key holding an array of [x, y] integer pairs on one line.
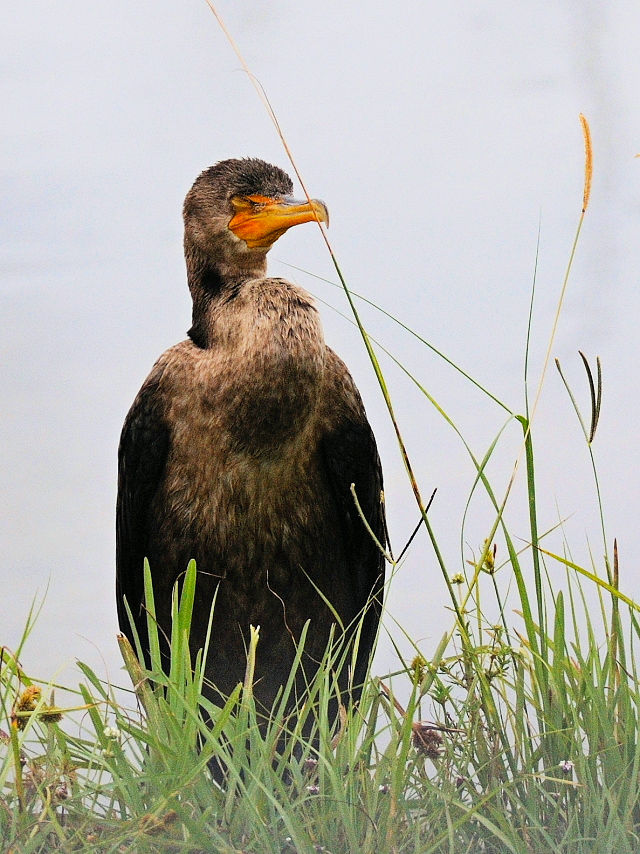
{"points": [[260, 220]]}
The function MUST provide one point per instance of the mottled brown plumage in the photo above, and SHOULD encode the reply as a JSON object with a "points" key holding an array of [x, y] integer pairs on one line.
{"points": [[240, 450]]}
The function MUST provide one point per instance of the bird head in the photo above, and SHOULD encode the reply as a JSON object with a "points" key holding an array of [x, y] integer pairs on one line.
{"points": [[240, 207]]}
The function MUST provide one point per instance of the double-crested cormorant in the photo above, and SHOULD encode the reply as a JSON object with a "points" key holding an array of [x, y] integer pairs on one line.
{"points": [[240, 450]]}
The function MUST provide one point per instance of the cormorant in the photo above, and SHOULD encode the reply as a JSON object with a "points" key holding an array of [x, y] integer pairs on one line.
{"points": [[240, 450]]}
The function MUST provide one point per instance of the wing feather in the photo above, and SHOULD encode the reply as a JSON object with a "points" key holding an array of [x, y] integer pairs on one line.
{"points": [[351, 457], [142, 456]]}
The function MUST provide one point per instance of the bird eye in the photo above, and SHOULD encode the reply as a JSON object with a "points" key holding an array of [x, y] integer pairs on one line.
{"points": [[247, 203]]}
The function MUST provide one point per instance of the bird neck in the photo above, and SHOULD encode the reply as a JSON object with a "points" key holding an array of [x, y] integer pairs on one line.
{"points": [[213, 280]]}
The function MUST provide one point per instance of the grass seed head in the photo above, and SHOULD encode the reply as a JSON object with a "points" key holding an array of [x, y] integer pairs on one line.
{"points": [[418, 666], [588, 162], [28, 700]]}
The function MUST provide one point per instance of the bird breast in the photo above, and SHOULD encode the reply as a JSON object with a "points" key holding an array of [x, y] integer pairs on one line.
{"points": [[245, 416], [270, 356]]}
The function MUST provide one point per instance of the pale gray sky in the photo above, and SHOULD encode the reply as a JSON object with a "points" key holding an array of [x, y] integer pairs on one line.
{"points": [[439, 135]]}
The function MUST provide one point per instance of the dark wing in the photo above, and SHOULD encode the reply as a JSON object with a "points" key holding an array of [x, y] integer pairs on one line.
{"points": [[351, 456], [142, 456]]}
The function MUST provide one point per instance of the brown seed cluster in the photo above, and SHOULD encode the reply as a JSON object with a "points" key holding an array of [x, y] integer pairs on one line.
{"points": [[427, 740]]}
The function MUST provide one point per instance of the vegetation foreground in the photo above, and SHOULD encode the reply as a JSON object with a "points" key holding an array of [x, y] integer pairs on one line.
{"points": [[517, 734], [534, 748]]}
